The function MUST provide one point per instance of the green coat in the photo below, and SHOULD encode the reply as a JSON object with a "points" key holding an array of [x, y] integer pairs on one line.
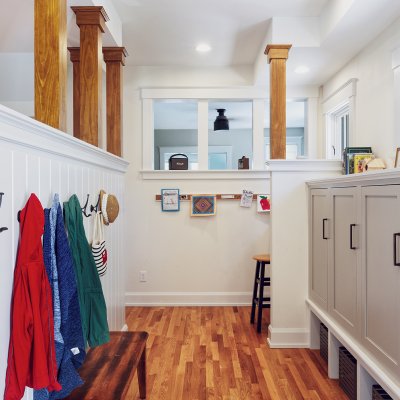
{"points": [[90, 293]]}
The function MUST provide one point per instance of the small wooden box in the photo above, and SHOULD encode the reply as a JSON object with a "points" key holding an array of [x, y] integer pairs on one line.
{"points": [[243, 163], [348, 373]]}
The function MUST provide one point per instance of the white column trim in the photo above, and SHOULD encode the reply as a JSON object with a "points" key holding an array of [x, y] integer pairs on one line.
{"points": [[148, 134], [202, 134], [258, 134], [311, 128]]}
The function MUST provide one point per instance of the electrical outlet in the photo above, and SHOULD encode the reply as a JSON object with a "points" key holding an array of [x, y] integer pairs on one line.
{"points": [[143, 276]]}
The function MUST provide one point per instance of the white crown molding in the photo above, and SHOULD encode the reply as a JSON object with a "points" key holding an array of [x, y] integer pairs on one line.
{"points": [[205, 175], [188, 298], [304, 165], [23, 131]]}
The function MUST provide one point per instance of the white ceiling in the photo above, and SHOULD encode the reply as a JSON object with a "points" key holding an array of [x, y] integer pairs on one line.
{"points": [[325, 34]]}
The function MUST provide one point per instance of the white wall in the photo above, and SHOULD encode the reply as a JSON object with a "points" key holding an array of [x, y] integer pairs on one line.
{"points": [[188, 260], [36, 158], [375, 93]]}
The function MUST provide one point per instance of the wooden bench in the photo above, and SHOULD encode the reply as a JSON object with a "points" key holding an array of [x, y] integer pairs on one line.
{"points": [[108, 370]]}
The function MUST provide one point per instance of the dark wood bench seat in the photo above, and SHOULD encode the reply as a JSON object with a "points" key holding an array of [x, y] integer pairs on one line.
{"points": [[108, 370]]}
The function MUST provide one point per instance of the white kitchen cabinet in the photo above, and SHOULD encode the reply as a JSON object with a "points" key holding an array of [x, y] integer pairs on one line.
{"points": [[318, 278], [343, 258], [380, 275]]}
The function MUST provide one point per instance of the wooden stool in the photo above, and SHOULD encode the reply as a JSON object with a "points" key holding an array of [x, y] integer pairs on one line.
{"points": [[260, 281], [108, 370]]}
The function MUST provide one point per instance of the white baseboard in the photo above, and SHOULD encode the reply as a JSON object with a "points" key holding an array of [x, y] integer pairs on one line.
{"points": [[279, 338], [188, 298]]}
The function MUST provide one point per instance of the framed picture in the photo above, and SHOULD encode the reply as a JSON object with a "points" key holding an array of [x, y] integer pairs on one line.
{"points": [[170, 200], [263, 203], [203, 205], [397, 159]]}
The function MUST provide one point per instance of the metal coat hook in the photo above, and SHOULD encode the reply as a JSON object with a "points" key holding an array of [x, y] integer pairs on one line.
{"points": [[85, 207], [2, 229], [96, 207]]}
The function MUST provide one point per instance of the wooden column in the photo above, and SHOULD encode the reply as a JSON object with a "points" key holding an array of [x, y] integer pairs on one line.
{"points": [[277, 56], [91, 21], [115, 60], [51, 62], [75, 59]]}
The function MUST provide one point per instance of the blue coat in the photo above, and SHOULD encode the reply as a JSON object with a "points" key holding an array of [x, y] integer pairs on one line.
{"points": [[70, 346]]}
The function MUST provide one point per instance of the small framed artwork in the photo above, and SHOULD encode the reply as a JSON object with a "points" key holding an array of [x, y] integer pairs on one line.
{"points": [[397, 159], [263, 203], [203, 205], [170, 200]]}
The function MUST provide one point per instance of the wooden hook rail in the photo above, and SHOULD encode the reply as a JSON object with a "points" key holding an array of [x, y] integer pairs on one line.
{"points": [[187, 197]]}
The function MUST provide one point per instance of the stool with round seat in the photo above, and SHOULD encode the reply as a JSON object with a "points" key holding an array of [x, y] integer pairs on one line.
{"points": [[260, 281]]}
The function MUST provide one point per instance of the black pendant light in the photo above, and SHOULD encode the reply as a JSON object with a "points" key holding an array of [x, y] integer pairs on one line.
{"points": [[221, 123]]}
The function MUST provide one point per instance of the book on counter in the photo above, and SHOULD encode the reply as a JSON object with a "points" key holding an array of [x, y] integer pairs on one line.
{"points": [[348, 157]]}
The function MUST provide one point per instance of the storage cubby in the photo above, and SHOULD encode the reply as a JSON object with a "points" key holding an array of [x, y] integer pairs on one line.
{"points": [[378, 393], [348, 373], [323, 342]]}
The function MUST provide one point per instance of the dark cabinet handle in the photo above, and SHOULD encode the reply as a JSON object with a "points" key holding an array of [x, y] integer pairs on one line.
{"points": [[352, 247], [395, 262], [323, 228]]}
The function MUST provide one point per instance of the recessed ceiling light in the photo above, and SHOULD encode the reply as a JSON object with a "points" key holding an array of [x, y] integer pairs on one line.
{"points": [[203, 47], [302, 69]]}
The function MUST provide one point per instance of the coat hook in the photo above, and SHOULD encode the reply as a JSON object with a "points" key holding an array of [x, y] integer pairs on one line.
{"points": [[3, 229], [85, 207], [96, 207]]}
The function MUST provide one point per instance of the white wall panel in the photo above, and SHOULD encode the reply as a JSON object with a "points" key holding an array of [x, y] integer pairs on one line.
{"points": [[38, 159]]}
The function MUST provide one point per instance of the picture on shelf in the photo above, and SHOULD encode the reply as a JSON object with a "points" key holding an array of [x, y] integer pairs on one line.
{"points": [[348, 160], [397, 159], [360, 161], [170, 200]]}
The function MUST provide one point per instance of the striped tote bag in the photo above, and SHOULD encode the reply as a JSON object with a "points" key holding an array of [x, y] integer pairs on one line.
{"points": [[99, 250]]}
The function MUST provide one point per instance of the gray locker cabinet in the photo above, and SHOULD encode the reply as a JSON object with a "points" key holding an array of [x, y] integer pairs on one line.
{"points": [[344, 250], [319, 236], [380, 274]]}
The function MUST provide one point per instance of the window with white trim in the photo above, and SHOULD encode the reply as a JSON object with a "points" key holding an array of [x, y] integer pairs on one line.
{"points": [[337, 125]]}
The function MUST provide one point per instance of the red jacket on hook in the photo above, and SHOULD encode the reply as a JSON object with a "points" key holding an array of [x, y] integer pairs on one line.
{"points": [[31, 354]]}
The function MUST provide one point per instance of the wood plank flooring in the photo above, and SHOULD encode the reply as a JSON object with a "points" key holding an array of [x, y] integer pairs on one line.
{"points": [[199, 353]]}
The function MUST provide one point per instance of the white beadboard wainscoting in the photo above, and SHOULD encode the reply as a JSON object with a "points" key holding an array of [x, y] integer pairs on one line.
{"points": [[35, 158]]}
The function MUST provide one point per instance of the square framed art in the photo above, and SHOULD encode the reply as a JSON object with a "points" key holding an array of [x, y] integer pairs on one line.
{"points": [[170, 200], [203, 205]]}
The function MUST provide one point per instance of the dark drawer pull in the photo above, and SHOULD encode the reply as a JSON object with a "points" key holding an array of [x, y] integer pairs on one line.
{"points": [[323, 228], [352, 247], [395, 236]]}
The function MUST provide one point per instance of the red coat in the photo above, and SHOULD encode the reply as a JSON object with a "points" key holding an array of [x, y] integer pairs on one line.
{"points": [[31, 354]]}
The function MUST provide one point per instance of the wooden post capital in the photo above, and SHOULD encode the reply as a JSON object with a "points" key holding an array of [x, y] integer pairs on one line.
{"points": [[91, 15], [115, 54], [74, 53], [277, 51]]}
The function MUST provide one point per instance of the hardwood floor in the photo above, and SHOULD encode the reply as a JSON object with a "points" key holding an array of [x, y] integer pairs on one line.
{"points": [[197, 353]]}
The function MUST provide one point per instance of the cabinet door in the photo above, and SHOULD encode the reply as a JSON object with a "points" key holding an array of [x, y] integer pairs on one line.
{"points": [[343, 294], [318, 284], [380, 274]]}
